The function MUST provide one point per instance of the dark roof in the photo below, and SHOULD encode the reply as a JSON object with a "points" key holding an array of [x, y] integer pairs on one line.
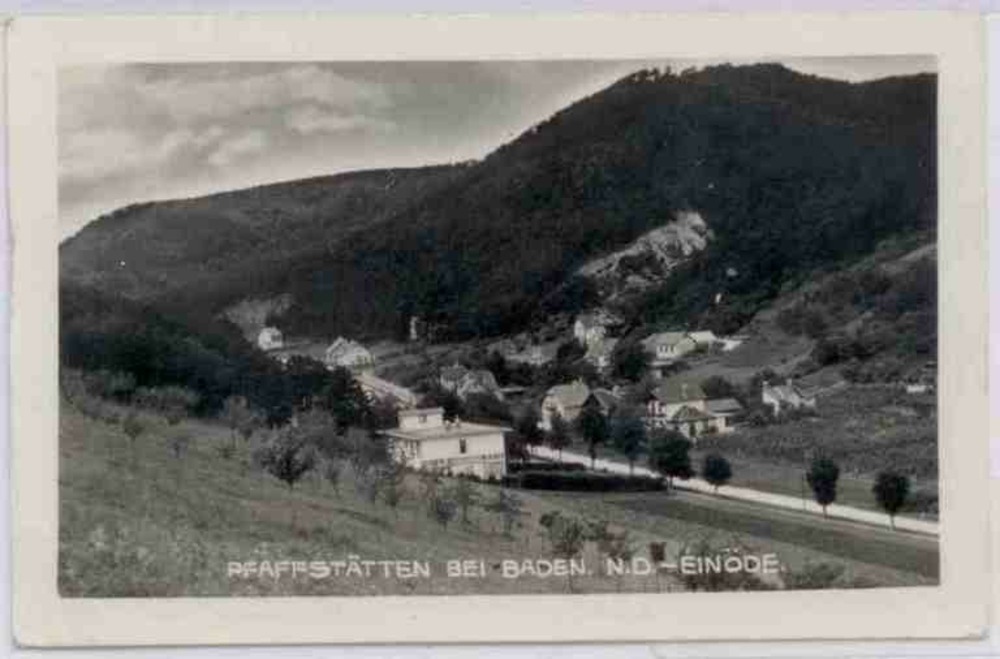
{"points": [[604, 398], [688, 413], [573, 394], [723, 406], [678, 391]]}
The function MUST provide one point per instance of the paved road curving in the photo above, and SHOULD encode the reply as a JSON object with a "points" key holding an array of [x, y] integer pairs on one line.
{"points": [[756, 496]]}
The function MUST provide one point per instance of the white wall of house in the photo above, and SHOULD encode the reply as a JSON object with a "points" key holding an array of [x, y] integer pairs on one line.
{"points": [[480, 454], [658, 408]]}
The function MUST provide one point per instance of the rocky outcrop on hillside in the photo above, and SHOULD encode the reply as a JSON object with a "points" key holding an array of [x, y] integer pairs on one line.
{"points": [[649, 259]]}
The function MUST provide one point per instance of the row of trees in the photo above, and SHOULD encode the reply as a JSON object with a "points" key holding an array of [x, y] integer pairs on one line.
{"points": [[890, 489], [668, 454]]}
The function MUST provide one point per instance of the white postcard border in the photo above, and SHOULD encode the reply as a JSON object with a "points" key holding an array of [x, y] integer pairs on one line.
{"points": [[956, 609]]}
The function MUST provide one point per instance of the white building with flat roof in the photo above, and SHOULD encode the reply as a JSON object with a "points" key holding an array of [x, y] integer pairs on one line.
{"points": [[426, 441]]}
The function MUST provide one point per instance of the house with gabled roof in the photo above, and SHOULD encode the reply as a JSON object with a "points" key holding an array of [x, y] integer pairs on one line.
{"points": [[728, 408], [604, 400], [704, 338], [566, 400], [788, 396], [666, 348], [683, 406], [464, 382], [535, 355], [389, 392], [348, 354], [451, 376]]}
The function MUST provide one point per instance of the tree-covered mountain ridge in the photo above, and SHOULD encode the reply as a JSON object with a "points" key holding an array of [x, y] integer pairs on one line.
{"points": [[789, 173]]}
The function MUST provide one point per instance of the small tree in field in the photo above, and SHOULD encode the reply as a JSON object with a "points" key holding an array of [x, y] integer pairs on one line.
{"points": [[566, 535], [509, 507], [235, 414], [443, 509], [670, 456], [716, 470], [180, 441], [822, 478], [614, 545], [249, 426], [331, 474], [628, 435], [466, 496], [288, 458], [133, 427], [891, 489], [594, 428], [558, 437], [172, 402], [392, 477]]}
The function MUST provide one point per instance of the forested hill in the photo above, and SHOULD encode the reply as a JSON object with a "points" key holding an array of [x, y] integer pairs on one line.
{"points": [[790, 172]]}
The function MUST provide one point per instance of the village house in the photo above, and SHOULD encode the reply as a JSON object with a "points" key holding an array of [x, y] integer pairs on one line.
{"points": [[666, 348], [388, 392], [348, 354], [566, 400], [535, 355], [730, 409], [683, 406], [424, 440], [704, 338], [600, 352], [594, 326], [786, 396], [464, 382], [603, 400], [270, 338]]}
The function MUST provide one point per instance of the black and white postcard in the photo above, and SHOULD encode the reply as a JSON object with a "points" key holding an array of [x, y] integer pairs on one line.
{"points": [[498, 329]]}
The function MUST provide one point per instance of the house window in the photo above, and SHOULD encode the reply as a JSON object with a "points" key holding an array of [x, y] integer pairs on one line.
{"points": [[462, 446]]}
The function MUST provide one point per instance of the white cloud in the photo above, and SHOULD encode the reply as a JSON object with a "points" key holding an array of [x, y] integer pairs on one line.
{"points": [[311, 119], [91, 155], [245, 145], [96, 154], [226, 96]]}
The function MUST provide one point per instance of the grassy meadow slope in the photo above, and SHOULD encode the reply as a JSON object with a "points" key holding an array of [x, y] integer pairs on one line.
{"points": [[139, 521]]}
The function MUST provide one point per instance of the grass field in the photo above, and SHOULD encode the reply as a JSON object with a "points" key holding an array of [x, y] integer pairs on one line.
{"points": [[139, 521]]}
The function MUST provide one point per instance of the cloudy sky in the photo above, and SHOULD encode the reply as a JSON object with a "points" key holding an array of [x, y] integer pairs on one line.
{"points": [[130, 133]]}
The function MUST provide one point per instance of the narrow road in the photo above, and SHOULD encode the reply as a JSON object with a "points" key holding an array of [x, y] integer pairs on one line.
{"points": [[753, 496]]}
